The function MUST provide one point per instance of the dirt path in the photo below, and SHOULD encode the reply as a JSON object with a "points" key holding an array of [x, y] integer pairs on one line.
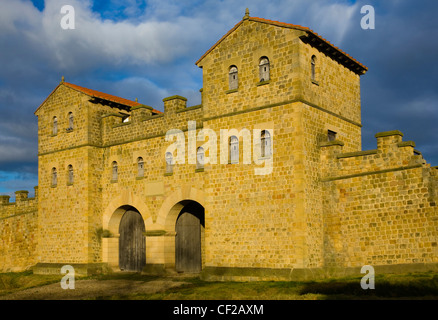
{"points": [[90, 289]]}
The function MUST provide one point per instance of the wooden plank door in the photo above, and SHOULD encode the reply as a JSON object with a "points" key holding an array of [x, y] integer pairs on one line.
{"points": [[132, 242], [188, 243]]}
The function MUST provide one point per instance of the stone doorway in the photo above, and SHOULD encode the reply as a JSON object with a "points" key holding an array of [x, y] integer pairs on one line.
{"points": [[132, 242], [189, 228]]}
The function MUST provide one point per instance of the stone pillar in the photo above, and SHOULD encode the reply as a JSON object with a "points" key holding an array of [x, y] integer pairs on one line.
{"points": [[4, 199], [173, 104], [388, 141], [21, 195], [140, 112]]}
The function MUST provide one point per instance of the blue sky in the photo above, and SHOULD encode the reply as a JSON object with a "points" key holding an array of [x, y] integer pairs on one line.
{"points": [[147, 50]]}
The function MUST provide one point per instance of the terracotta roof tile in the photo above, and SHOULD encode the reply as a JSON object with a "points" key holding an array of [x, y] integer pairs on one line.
{"points": [[105, 96]]}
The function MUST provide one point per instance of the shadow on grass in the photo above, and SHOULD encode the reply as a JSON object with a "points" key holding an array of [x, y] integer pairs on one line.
{"points": [[409, 288]]}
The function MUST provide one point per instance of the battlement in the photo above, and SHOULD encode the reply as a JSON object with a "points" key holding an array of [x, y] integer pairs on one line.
{"points": [[142, 123], [21, 197], [22, 204], [392, 154], [18, 231]]}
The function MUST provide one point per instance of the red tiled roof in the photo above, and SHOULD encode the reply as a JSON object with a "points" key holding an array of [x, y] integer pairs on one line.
{"points": [[285, 25], [105, 96], [100, 95]]}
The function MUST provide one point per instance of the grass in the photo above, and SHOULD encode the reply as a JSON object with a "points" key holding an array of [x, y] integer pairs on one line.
{"points": [[405, 286], [13, 281]]}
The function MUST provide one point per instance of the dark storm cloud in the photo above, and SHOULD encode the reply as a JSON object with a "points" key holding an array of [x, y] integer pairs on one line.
{"points": [[399, 90], [147, 50]]}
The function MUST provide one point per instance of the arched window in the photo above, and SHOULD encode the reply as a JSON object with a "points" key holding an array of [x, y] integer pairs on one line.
{"points": [[115, 171], [70, 174], [313, 64], [331, 135], [234, 149], [70, 121], [265, 144], [200, 158], [169, 162], [55, 125], [140, 167], [233, 79], [264, 69], [54, 177]]}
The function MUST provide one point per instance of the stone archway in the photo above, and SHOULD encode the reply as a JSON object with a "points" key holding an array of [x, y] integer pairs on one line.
{"points": [[167, 218], [112, 218]]}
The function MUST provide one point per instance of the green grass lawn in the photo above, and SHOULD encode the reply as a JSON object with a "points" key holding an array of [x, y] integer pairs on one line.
{"points": [[405, 286]]}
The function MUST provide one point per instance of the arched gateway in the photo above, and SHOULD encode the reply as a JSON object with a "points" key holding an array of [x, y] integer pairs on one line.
{"points": [[173, 241]]}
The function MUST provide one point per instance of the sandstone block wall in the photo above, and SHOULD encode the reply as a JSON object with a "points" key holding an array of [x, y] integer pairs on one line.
{"points": [[18, 232], [380, 206]]}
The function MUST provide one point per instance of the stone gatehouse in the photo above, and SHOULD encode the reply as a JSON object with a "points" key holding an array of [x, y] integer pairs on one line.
{"points": [[111, 196]]}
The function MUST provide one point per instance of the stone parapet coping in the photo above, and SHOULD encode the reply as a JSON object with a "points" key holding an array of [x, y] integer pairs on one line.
{"points": [[174, 97], [406, 144], [142, 106], [356, 154], [190, 108], [389, 133]]}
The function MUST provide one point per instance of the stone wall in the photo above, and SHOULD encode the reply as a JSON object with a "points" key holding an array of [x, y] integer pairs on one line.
{"points": [[322, 204], [380, 206], [18, 232]]}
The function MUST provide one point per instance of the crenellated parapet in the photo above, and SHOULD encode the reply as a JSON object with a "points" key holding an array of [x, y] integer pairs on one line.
{"points": [[143, 122], [392, 153], [23, 204], [18, 231]]}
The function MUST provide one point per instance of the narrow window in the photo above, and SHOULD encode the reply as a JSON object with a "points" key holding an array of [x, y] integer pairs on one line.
{"points": [[313, 63], [55, 125], [264, 69], [70, 121], [70, 174], [200, 158], [140, 167], [266, 144], [54, 177], [331, 135], [234, 149], [115, 172], [169, 162], [233, 80]]}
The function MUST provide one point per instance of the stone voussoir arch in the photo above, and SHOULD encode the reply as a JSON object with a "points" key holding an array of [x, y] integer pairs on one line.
{"points": [[174, 203], [118, 206]]}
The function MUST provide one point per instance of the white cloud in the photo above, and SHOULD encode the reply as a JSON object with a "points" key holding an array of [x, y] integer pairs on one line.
{"points": [[333, 20]]}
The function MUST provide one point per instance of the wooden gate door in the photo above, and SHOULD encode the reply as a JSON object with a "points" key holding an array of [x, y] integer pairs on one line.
{"points": [[188, 243], [132, 242]]}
